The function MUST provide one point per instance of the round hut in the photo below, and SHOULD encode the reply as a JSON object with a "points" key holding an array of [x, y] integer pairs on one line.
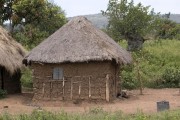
{"points": [[78, 61], [11, 56]]}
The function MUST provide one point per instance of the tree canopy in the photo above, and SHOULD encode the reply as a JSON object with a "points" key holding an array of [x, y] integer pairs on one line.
{"points": [[34, 20], [5, 10], [167, 29], [40, 13], [129, 21]]}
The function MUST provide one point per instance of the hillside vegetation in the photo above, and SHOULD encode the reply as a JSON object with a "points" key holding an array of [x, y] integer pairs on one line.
{"points": [[158, 65]]}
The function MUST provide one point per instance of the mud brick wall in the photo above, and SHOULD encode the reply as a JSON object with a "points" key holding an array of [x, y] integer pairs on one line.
{"points": [[79, 79]]}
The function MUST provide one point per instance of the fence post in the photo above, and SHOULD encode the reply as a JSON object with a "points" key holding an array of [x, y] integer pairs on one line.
{"points": [[89, 87], [107, 87]]}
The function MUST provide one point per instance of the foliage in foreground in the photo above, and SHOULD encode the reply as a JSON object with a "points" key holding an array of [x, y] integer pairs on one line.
{"points": [[158, 64], [100, 115]]}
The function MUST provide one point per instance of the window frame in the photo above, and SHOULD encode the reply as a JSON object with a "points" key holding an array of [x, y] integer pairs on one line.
{"points": [[58, 73]]}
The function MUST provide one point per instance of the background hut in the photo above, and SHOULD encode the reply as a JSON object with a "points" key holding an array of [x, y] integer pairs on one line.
{"points": [[78, 61], [11, 56]]}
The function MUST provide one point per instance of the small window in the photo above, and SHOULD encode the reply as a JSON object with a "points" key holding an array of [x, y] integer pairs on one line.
{"points": [[57, 73]]}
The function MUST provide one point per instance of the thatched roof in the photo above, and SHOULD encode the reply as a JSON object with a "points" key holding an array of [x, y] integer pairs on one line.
{"points": [[78, 41], [11, 52]]}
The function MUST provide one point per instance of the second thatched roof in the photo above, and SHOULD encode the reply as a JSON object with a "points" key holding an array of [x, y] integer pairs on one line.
{"points": [[11, 52], [78, 41]]}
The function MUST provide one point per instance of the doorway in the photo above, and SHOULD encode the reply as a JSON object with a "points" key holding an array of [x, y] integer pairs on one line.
{"points": [[1, 78]]}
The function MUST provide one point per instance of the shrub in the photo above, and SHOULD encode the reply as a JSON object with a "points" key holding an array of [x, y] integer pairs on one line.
{"points": [[177, 36], [128, 78], [3, 93], [157, 65], [26, 79], [168, 29], [171, 77]]}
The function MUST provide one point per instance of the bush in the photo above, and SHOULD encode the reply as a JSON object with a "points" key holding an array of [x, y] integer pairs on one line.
{"points": [[128, 78], [157, 65], [177, 36], [168, 29], [3, 93], [171, 77], [26, 79]]}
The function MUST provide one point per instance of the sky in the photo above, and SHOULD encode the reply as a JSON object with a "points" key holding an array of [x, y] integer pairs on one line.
{"points": [[85, 7]]}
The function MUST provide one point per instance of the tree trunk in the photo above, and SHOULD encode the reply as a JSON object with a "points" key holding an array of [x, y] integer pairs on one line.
{"points": [[135, 43]]}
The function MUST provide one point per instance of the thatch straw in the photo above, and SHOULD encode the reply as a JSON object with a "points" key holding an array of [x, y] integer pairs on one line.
{"points": [[11, 52], [78, 41]]}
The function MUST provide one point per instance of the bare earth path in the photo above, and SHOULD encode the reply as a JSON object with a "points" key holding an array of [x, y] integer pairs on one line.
{"points": [[17, 104]]}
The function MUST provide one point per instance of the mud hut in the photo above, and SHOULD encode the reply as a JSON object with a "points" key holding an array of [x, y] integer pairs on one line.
{"points": [[11, 56], [78, 61]]}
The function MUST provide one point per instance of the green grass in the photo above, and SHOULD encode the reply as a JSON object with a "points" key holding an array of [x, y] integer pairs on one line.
{"points": [[91, 115], [155, 60]]}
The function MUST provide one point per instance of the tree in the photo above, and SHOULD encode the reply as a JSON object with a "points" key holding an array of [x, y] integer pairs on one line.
{"points": [[1, 11], [132, 22], [30, 37], [40, 13], [31, 11], [167, 29], [167, 15], [6, 10], [39, 19], [53, 18]]}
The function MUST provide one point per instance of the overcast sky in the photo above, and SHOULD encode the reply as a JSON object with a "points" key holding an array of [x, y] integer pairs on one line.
{"points": [[84, 7]]}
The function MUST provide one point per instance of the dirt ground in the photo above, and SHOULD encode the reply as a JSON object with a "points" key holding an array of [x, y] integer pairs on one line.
{"points": [[22, 103]]}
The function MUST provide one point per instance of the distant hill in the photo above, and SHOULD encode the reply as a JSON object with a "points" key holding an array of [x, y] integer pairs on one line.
{"points": [[98, 20], [101, 21], [175, 18]]}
